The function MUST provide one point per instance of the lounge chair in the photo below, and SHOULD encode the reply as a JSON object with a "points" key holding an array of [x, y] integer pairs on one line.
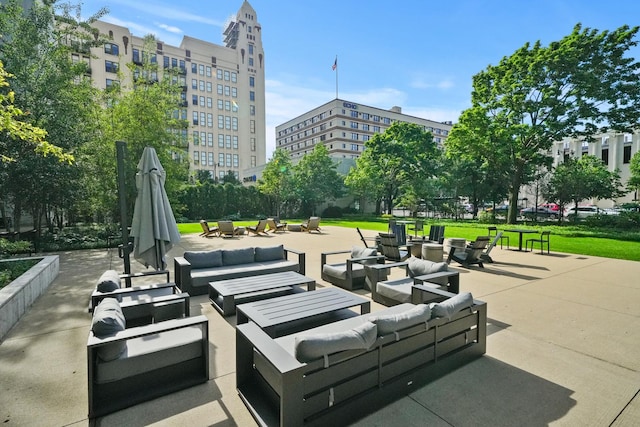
{"points": [[485, 255], [367, 239], [417, 227], [472, 254], [275, 226], [348, 273], [259, 229], [436, 234], [493, 230], [206, 230], [313, 224], [226, 228], [391, 249]]}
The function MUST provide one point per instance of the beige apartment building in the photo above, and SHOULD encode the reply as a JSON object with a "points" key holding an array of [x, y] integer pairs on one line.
{"points": [[344, 127], [223, 95]]}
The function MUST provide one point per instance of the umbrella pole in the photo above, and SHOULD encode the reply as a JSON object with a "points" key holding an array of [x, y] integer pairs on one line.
{"points": [[121, 148]]}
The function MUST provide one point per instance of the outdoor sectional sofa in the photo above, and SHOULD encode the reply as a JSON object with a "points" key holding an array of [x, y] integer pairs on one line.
{"points": [[130, 365], [195, 269], [284, 385]]}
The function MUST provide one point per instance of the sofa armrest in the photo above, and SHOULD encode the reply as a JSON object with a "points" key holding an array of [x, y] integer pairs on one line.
{"points": [[158, 288], [378, 273], [325, 255], [453, 279], [127, 277], [137, 312], [182, 274], [301, 259]]}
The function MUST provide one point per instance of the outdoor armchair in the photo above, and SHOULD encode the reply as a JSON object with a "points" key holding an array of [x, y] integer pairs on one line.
{"points": [[275, 225], [313, 224], [206, 230], [472, 254], [348, 274], [226, 228], [259, 228]]}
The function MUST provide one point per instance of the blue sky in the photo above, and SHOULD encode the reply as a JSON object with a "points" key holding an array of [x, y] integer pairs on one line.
{"points": [[417, 54]]}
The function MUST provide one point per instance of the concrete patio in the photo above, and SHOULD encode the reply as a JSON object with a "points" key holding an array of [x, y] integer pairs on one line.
{"points": [[563, 347]]}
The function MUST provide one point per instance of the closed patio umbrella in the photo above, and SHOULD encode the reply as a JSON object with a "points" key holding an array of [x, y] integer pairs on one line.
{"points": [[153, 227]]}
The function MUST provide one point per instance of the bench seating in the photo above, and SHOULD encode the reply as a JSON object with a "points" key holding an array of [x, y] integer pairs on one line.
{"points": [[195, 269], [153, 360], [339, 388]]}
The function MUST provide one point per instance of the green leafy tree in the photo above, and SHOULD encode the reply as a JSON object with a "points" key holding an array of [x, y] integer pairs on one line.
{"points": [[634, 167], [580, 179], [365, 181], [316, 179], [55, 95], [405, 152], [572, 88], [277, 180], [146, 113]]}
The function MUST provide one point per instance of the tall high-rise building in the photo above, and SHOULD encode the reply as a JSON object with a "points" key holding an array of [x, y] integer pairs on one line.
{"points": [[223, 88]]}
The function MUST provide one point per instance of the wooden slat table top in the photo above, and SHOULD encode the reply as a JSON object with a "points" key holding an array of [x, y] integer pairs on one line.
{"points": [[289, 308], [250, 284]]}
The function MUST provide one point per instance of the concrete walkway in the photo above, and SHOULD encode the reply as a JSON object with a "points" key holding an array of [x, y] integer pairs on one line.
{"points": [[563, 347]]}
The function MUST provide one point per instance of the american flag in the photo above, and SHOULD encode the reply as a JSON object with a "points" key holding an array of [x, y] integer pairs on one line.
{"points": [[335, 64]]}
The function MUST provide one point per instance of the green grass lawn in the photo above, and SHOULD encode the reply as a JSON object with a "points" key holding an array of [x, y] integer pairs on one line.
{"points": [[575, 239]]}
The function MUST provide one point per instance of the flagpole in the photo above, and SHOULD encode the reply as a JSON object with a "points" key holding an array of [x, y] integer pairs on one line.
{"points": [[336, 63]]}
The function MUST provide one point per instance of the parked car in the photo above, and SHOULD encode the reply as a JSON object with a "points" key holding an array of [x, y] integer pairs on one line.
{"points": [[552, 206], [540, 212], [583, 211]]}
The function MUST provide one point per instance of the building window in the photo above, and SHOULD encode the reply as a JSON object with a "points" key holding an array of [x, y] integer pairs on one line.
{"points": [[111, 49], [202, 101], [136, 56], [195, 117], [252, 81], [235, 142], [376, 129], [250, 62], [227, 139], [209, 102], [201, 69], [208, 71], [236, 161], [228, 160], [386, 121], [194, 84], [220, 140], [203, 158], [626, 154], [227, 76], [203, 138], [201, 85], [220, 122], [209, 87], [252, 96], [194, 100], [221, 163], [234, 123], [234, 92], [203, 118], [111, 83], [110, 66], [354, 125], [210, 159], [354, 113], [227, 105], [194, 68], [376, 118], [252, 126], [220, 90], [253, 161], [252, 144], [234, 78], [220, 104], [227, 122], [196, 138], [252, 110], [354, 136], [227, 91], [196, 157], [354, 147], [210, 120], [250, 49]]}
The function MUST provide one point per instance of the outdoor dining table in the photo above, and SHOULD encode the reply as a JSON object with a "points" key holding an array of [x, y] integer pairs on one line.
{"points": [[520, 231]]}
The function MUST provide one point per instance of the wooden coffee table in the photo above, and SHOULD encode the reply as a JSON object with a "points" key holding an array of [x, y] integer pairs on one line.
{"points": [[225, 294], [282, 313]]}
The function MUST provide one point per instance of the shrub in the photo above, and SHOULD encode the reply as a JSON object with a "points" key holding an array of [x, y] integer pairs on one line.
{"points": [[332, 212], [10, 248], [11, 270]]}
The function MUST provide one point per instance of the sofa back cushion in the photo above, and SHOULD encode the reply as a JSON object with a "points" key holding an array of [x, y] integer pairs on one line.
{"points": [[108, 282], [420, 267], [272, 253], [389, 323], [107, 321], [451, 306], [312, 347], [238, 256], [204, 259], [360, 252]]}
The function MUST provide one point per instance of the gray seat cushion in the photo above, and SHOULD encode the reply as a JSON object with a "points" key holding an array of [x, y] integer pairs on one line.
{"points": [[274, 253], [361, 252], [238, 256], [340, 270], [313, 347], [397, 290], [150, 352], [420, 267]]}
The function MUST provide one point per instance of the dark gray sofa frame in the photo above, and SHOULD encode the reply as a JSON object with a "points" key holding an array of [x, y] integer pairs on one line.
{"points": [[349, 282], [279, 390], [182, 272], [114, 396], [378, 273]]}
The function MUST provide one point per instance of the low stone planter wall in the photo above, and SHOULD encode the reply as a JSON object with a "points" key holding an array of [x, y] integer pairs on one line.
{"points": [[17, 296]]}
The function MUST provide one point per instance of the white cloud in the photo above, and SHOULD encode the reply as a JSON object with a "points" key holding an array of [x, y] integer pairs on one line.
{"points": [[169, 13], [170, 28], [424, 82]]}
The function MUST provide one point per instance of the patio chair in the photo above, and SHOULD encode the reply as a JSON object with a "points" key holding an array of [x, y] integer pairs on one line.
{"points": [[392, 225], [436, 234], [472, 254], [544, 238], [348, 274], [493, 230], [367, 239], [313, 224], [259, 229], [226, 228], [417, 227], [391, 249], [485, 255], [206, 230], [275, 225]]}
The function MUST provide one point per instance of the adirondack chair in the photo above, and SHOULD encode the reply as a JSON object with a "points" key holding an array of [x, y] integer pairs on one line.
{"points": [[259, 229], [391, 249], [472, 254], [485, 255], [206, 230], [313, 224]]}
